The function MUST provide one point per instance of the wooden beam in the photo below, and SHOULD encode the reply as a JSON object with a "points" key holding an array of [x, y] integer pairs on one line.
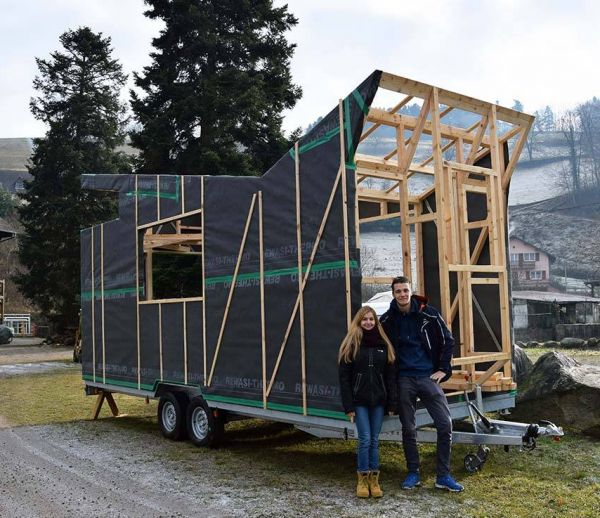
{"points": [[170, 219], [479, 358], [478, 140], [263, 326], [137, 288], [417, 89], [442, 206], [377, 280], [300, 268], [93, 307], [397, 107], [411, 123], [170, 301], [204, 358]]}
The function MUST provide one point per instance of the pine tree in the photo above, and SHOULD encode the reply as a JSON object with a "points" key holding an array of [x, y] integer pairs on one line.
{"points": [[78, 98], [216, 88]]}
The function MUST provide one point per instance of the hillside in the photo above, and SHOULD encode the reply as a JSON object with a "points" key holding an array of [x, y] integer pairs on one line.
{"points": [[14, 153], [565, 228]]}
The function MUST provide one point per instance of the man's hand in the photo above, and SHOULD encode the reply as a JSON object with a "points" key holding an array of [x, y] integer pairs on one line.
{"points": [[438, 376], [351, 416]]}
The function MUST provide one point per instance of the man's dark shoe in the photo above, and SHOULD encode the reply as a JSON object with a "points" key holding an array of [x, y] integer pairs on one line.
{"points": [[411, 481], [449, 484]]}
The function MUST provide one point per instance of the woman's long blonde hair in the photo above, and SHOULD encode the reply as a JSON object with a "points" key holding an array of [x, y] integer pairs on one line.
{"points": [[351, 342]]}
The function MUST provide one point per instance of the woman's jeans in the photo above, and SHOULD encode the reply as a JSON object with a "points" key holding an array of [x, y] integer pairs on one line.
{"points": [[368, 425]]}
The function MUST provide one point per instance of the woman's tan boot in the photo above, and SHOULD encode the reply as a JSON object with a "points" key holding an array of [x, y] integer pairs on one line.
{"points": [[374, 488], [362, 487]]}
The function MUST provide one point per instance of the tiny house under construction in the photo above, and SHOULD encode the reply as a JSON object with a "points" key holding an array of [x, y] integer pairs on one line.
{"points": [[270, 266]]}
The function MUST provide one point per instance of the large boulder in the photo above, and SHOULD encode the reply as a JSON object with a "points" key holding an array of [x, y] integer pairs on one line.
{"points": [[563, 391], [521, 364], [572, 343]]}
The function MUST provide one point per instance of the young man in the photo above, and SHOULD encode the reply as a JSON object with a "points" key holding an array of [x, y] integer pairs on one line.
{"points": [[423, 347]]}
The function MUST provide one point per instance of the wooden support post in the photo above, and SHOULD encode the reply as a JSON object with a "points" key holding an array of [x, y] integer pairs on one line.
{"points": [[232, 288], [202, 212], [441, 200], [102, 302], [300, 274], [403, 201], [93, 309], [158, 197], [102, 395], [160, 341], [500, 199], [185, 349], [345, 215], [137, 288], [149, 287], [263, 327]]}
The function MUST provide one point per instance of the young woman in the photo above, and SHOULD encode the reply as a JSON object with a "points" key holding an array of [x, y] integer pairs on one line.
{"points": [[368, 388]]}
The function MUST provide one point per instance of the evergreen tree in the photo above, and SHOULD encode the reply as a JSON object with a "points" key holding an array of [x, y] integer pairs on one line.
{"points": [[78, 98], [216, 88]]}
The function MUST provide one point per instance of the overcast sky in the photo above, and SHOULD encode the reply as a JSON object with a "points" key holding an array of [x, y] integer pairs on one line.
{"points": [[538, 51]]}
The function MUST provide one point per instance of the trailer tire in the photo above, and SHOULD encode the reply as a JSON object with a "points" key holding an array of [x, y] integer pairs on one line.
{"points": [[171, 415], [204, 428]]}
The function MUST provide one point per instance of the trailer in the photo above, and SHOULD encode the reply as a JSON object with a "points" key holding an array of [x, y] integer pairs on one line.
{"points": [[228, 296]]}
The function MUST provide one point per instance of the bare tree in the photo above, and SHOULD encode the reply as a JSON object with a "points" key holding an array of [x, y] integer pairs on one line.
{"points": [[568, 125], [589, 121]]}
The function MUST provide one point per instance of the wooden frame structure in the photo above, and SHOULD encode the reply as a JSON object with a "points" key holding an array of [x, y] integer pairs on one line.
{"points": [[452, 153]]}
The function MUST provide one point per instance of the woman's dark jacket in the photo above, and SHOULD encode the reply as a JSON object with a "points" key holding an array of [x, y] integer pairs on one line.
{"points": [[368, 380]]}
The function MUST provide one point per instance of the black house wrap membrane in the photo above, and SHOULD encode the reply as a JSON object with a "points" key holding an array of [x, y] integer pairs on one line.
{"points": [[164, 342]]}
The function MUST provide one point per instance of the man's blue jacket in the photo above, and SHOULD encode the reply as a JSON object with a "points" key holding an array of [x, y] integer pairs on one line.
{"points": [[435, 336]]}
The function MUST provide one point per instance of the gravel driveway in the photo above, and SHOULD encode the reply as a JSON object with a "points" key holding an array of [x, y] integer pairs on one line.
{"points": [[123, 467], [109, 468]]}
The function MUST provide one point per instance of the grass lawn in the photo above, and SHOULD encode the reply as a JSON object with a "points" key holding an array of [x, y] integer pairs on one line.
{"points": [[589, 356], [557, 479]]}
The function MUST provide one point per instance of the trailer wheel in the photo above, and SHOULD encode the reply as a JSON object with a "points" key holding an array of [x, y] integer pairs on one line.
{"points": [[171, 415], [472, 463], [203, 426]]}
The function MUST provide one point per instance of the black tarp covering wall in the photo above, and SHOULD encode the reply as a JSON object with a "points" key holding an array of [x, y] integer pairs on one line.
{"points": [[170, 345]]}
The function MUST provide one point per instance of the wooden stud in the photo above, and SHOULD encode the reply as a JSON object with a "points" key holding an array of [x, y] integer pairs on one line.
{"points": [[345, 215], [231, 290], [158, 197], [203, 277], [441, 199], [263, 327], [160, 343], [149, 289], [137, 288], [93, 309], [102, 304], [300, 274]]}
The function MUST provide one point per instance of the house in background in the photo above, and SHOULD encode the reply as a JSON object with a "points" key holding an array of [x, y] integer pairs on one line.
{"points": [[529, 265], [13, 181]]}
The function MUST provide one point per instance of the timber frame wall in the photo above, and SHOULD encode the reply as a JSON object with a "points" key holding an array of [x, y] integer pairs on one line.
{"points": [[457, 184]]}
